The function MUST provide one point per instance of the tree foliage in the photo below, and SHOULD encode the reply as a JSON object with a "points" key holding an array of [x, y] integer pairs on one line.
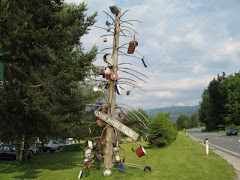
{"points": [[162, 131], [42, 90], [184, 122], [220, 103]]}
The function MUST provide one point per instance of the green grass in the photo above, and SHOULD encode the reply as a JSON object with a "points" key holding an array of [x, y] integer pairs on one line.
{"points": [[182, 160]]}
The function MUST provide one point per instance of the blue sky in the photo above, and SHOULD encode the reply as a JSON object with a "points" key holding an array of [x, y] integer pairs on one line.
{"points": [[187, 43]]}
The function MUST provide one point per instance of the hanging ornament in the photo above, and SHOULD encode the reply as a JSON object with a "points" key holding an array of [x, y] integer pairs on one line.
{"points": [[121, 167], [90, 110], [95, 88], [129, 91], [108, 59], [147, 169], [132, 45], [117, 89], [102, 72], [89, 130], [90, 144], [107, 172], [125, 120], [107, 71], [105, 39], [98, 155], [88, 165], [108, 23], [108, 28], [99, 122], [140, 151], [87, 155], [80, 174], [121, 114], [143, 62], [107, 86], [117, 158]]}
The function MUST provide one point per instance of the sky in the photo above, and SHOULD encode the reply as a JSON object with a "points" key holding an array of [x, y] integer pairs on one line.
{"points": [[187, 43]]}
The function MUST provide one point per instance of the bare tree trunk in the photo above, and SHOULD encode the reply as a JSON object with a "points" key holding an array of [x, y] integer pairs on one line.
{"points": [[112, 96]]}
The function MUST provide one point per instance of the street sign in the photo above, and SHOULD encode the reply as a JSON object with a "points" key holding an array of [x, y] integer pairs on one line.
{"points": [[116, 124]]}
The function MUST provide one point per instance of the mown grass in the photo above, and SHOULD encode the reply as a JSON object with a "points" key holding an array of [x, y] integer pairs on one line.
{"points": [[182, 160]]}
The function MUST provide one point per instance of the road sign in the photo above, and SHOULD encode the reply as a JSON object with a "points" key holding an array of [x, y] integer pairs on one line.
{"points": [[116, 124]]}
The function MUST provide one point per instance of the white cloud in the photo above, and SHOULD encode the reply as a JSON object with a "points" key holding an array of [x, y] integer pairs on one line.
{"points": [[187, 43]]}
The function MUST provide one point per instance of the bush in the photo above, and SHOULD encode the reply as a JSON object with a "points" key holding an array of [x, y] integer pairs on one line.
{"points": [[73, 147], [162, 131]]}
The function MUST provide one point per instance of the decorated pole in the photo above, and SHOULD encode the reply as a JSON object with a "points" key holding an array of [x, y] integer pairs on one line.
{"points": [[112, 93]]}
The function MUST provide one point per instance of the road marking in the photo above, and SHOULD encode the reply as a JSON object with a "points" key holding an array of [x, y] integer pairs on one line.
{"points": [[222, 138], [216, 137], [239, 140], [229, 140]]}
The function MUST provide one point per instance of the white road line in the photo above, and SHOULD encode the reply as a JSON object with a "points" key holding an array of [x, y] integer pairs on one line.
{"points": [[222, 138], [229, 140], [216, 137], [239, 140]]}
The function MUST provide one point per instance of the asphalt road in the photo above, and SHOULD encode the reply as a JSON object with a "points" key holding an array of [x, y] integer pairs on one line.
{"points": [[229, 143]]}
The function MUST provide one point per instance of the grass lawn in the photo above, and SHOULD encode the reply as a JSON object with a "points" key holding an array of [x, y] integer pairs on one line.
{"points": [[184, 159]]}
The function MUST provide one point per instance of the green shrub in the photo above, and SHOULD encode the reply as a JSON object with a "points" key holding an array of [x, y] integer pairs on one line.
{"points": [[162, 131]]}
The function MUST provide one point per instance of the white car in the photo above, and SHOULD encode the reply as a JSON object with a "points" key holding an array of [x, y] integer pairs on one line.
{"points": [[61, 143], [70, 141], [50, 146], [34, 149]]}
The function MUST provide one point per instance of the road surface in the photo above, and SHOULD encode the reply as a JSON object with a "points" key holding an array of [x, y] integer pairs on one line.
{"points": [[229, 143]]}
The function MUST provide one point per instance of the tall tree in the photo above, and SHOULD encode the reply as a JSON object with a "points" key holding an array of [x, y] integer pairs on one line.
{"points": [[231, 87], [183, 121], [44, 68]]}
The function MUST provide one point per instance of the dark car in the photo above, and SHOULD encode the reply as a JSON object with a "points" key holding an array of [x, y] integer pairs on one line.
{"points": [[7, 152], [230, 132]]}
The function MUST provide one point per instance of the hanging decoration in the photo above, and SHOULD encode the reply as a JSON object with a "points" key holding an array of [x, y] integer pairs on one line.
{"points": [[107, 145]]}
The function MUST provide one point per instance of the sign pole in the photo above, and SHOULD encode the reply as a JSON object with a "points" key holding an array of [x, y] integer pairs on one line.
{"points": [[112, 95]]}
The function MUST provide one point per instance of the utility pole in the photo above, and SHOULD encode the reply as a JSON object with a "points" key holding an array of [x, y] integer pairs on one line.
{"points": [[112, 95]]}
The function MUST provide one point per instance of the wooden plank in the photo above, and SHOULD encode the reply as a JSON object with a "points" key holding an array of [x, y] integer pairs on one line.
{"points": [[116, 124]]}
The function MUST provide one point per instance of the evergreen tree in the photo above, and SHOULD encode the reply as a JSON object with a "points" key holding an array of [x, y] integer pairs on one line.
{"points": [[46, 63]]}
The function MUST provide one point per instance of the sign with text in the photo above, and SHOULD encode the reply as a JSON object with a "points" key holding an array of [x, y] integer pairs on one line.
{"points": [[116, 124]]}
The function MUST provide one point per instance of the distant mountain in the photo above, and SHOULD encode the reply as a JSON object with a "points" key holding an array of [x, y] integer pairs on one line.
{"points": [[174, 111]]}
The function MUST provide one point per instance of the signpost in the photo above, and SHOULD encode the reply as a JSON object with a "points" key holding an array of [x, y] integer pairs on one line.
{"points": [[116, 124]]}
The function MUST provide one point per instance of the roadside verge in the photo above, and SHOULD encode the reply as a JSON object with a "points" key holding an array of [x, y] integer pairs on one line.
{"points": [[231, 157]]}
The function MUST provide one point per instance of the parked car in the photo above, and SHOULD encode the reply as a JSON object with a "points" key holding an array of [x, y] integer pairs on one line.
{"points": [[61, 143], [232, 131], [70, 141], [50, 146], [34, 149], [9, 152]]}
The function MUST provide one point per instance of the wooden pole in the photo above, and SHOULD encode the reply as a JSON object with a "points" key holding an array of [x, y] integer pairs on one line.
{"points": [[112, 96]]}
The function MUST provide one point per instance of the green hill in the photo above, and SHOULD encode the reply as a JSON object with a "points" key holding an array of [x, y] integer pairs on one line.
{"points": [[174, 111]]}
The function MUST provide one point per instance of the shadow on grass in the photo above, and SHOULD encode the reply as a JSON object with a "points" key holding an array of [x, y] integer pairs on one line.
{"points": [[41, 162]]}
